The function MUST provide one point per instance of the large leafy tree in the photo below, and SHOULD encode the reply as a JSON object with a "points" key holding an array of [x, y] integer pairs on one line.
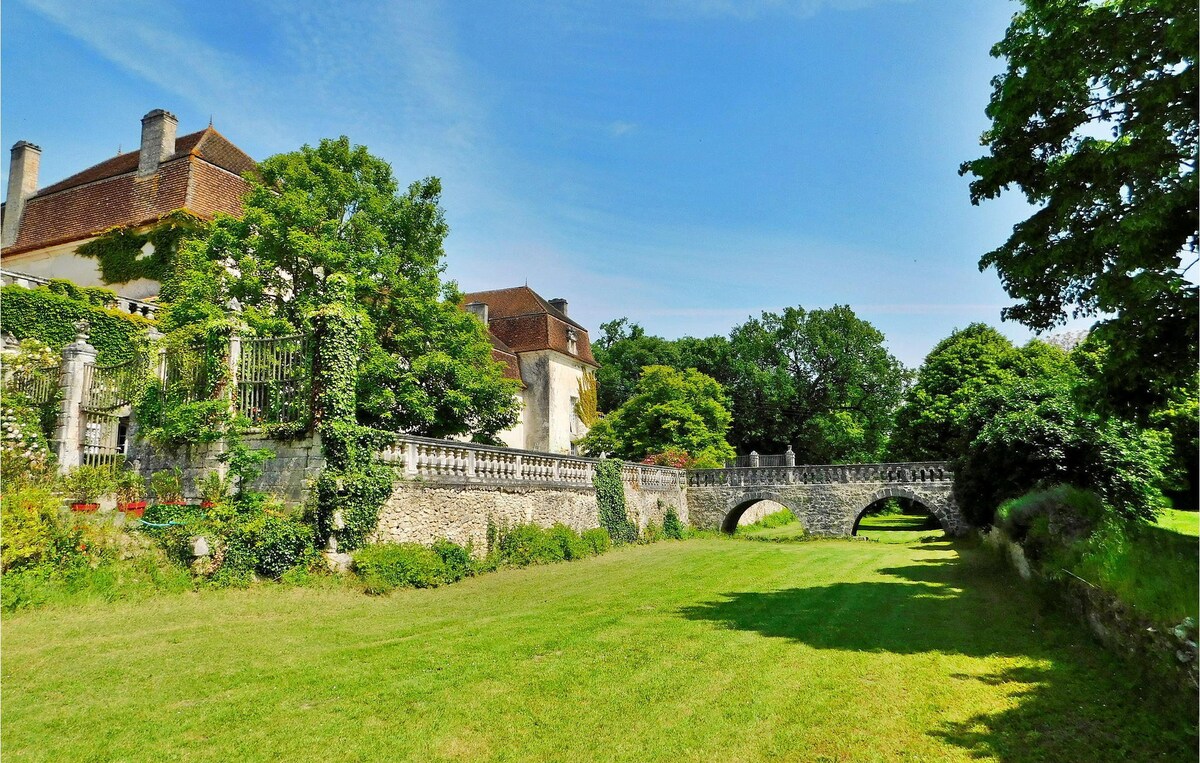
{"points": [[623, 350], [820, 381], [670, 410], [932, 422], [330, 223], [1029, 432], [1095, 122]]}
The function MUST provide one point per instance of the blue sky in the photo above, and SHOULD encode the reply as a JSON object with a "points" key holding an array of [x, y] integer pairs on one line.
{"points": [[684, 164]]}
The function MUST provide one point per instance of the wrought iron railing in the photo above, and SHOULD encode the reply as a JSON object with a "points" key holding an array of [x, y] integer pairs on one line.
{"points": [[275, 379]]}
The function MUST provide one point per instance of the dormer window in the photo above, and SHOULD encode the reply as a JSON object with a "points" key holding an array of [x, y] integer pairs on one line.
{"points": [[572, 341]]}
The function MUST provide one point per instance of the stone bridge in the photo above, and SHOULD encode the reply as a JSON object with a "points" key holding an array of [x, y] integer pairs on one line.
{"points": [[828, 500]]}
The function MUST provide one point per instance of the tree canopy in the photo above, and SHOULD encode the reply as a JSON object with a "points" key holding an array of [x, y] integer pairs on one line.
{"points": [[623, 349], [326, 224], [932, 422], [1095, 121], [1029, 432], [670, 410], [820, 381]]}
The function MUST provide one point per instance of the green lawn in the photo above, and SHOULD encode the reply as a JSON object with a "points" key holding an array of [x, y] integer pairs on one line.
{"points": [[1183, 522], [700, 650]]}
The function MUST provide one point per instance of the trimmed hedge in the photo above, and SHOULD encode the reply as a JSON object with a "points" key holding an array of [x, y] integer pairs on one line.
{"points": [[50, 317]]}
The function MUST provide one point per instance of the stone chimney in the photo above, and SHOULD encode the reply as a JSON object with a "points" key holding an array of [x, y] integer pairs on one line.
{"points": [[479, 310], [559, 304], [22, 183], [158, 141]]}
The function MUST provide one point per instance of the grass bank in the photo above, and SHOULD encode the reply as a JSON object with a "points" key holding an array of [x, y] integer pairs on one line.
{"points": [[695, 651]]}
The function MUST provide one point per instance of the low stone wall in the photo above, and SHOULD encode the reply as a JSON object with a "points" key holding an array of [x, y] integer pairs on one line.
{"points": [[420, 512], [288, 476], [1157, 650]]}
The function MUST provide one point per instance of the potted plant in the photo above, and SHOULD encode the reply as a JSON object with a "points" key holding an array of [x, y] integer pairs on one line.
{"points": [[131, 492], [85, 484], [213, 489], [168, 487]]}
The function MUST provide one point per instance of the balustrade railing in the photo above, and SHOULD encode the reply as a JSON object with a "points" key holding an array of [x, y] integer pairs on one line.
{"points": [[124, 304], [449, 461], [924, 471]]}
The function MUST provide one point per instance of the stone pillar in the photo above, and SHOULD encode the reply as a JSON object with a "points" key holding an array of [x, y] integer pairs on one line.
{"points": [[231, 394], [158, 354], [754, 459], [68, 433], [11, 346], [789, 458]]}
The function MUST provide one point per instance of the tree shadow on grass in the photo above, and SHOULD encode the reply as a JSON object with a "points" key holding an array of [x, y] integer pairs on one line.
{"points": [[1077, 703]]}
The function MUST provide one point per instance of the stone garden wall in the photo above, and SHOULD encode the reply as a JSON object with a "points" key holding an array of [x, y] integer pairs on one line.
{"points": [[287, 476], [450, 490]]}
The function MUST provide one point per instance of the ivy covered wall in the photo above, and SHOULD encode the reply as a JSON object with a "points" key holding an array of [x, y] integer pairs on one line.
{"points": [[49, 314], [123, 253]]}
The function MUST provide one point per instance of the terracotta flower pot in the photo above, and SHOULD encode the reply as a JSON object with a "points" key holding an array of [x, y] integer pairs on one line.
{"points": [[85, 506], [207, 504], [132, 508]]}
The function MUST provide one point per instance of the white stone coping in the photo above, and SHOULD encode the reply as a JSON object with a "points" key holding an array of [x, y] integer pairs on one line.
{"points": [[817, 474], [450, 461]]}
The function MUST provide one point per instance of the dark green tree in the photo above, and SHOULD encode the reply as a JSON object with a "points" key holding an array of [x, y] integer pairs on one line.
{"points": [[820, 381], [1031, 433], [623, 350], [329, 224], [1095, 121]]}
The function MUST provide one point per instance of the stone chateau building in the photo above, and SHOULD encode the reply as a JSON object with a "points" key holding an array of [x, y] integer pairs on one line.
{"points": [[201, 172]]}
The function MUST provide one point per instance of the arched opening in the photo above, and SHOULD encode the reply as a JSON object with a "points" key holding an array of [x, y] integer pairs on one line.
{"points": [[763, 512], [898, 517]]}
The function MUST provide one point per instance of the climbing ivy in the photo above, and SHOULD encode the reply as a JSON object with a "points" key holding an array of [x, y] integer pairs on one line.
{"points": [[122, 251], [353, 487], [585, 406], [49, 314], [610, 499], [193, 404]]}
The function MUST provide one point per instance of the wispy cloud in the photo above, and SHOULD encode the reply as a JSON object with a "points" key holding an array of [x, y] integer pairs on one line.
{"points": [[746, 10], [620, 128]]}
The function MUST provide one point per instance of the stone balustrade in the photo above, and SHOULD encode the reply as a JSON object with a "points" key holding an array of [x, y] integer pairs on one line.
{"points": [[913, 472], [447, 461], [124, 304]]}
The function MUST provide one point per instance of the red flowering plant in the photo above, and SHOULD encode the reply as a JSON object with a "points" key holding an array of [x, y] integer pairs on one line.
{"points": [[672, 457]]}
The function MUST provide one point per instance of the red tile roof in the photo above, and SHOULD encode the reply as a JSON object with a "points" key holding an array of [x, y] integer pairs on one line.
{"points": [[502, 354], [525, 322], [203, 176]]}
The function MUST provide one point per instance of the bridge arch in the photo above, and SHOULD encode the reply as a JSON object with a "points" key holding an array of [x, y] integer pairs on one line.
{"points": [[730, 520], [944, 514]]}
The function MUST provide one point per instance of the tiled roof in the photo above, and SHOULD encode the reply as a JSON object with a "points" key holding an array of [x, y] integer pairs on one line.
{"points": [[203, 176], [525, 322], [502, 354]]}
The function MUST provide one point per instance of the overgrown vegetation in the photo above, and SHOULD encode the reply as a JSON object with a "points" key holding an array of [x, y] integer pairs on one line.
{"points": [[49, 314], [610, 501], [130, 253], [1067, 532]]}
